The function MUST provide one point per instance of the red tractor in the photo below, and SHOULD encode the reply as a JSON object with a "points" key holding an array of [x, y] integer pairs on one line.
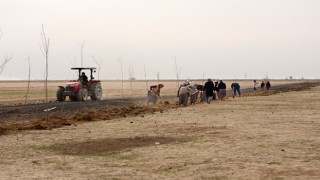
{"points": [[79, 90]]}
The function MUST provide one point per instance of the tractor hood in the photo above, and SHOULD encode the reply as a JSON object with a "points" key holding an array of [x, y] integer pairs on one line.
{"points": [[72, 84]]}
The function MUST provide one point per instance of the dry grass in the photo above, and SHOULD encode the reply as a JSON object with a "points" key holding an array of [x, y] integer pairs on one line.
{"points": [[256, 137]]}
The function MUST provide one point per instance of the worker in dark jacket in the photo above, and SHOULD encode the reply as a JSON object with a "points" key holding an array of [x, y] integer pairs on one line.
{"points": [[222, 90], [201, 92], [209, 90], [84, 78], [268, 85], [262, 85], [236, 88]]}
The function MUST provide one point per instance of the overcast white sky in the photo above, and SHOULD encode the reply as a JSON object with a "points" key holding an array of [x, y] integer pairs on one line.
{"points": [[209, 38]]}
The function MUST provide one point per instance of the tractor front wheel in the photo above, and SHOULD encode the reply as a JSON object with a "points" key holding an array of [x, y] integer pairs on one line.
{"points": [[60, 96], [96, 92], [83, 94]]}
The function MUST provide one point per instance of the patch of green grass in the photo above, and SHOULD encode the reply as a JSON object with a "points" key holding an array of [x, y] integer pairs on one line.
{"points": [[62, 166], [116, 155], [120, 156], [170, 168], [277, 178], [274, 163], [2, 162], [110, 155], [315, 157], [215, 168], [306, 141], [107, 176], [128, 157], [59, 148], [188, 142], [58, 165], [214, 177], [263, 146]]}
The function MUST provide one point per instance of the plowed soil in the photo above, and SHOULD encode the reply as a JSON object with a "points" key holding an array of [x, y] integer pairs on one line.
{"points": [[264, 135], [34, 116]]}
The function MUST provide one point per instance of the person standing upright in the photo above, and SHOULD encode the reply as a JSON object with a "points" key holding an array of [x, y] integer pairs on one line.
{"points": [[255, 85], [209, 89], [268, 85], [262, 85]]}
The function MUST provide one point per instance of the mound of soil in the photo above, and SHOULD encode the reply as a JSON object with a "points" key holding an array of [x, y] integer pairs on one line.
{"points": [[49, 120]]}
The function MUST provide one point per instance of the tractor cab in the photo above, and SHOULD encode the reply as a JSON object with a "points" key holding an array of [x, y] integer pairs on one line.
{"points": [[83, 80], [81, 71], [80, 89]]}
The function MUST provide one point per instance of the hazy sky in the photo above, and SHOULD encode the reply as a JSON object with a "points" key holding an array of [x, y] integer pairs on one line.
{"points": [[208, 38]]}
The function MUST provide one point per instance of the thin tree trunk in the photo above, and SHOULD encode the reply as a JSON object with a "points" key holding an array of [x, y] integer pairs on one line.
{"points": [[145, 76], [45, 51], [81, 46], [28, 85], [4, 63], [121, 76], [131, 76], [177, 71]]}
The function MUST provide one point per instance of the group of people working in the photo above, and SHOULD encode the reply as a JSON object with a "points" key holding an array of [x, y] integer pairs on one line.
{"points": [[264, 85], [208, 92]]}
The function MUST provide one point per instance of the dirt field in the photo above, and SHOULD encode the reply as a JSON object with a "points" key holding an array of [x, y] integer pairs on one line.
{"points": [[262, 136], [14, 93]]}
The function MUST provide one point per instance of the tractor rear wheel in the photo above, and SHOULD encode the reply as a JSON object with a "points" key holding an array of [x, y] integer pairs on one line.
{"points": [[83, 94], [96, 92], [60, 96]]}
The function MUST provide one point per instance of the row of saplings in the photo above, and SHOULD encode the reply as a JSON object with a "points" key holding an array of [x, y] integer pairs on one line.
{"points": [[82, 88]]}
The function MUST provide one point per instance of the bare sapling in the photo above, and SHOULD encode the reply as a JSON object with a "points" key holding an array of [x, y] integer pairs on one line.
{"points": [[131, 76], [81, 50], [74, 64], [28, 83], [98, 63], [7, 58], [145, 76], [121, 77], [3, 64], [45, 50], [177, 70], [203, 80], [158, 77]]}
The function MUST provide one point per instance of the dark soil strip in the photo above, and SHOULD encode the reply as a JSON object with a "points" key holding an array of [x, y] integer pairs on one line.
{"points": [[104, 146]]}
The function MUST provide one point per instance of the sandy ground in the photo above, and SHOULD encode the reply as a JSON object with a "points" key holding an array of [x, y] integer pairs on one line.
{"points": [[254, 137]]}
